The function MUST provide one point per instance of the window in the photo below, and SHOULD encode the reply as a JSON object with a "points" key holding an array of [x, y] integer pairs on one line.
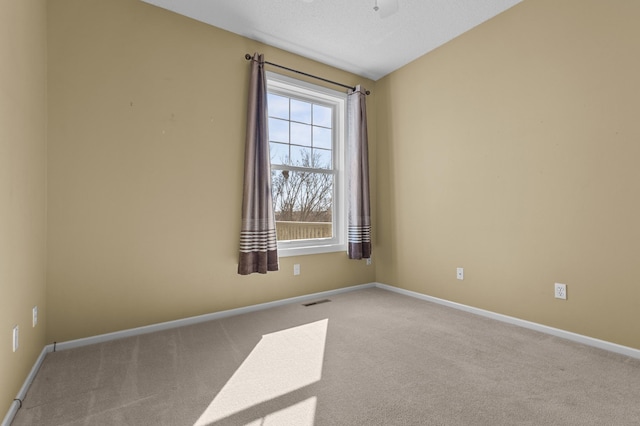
{"points": [[306, 142]]}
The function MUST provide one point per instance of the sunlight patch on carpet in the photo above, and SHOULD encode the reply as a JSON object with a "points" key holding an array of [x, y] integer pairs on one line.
{"points": [[300, 414], [281, 363]]}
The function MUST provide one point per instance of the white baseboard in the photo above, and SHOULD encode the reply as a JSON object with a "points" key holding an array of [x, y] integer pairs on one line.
{"points": [[590, 341], [586, 340], [612, 347], [17, 402], [202, 318]]}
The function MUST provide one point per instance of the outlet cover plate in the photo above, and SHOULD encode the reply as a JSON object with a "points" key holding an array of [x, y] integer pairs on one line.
{"points": [[296, 269], [560, 291], [16, 330], [460, 273]]}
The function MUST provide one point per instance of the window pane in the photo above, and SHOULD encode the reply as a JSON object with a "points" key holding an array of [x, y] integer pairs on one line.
{"points": [[303, 204], [301, 134], [278, 106], [301, 157], [322, 116], [321, 137], [300, 111], [278, 130], [322, 158], [279, 153]]}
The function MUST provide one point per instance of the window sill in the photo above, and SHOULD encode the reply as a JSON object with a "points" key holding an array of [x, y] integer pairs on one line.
{"points": [[309, 249]]}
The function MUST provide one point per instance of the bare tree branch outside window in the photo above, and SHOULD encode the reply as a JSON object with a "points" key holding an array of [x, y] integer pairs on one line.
{"points": [[303, 196]]}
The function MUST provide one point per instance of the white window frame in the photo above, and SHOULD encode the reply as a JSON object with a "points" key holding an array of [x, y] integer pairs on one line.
{"points": [[290, 87]]}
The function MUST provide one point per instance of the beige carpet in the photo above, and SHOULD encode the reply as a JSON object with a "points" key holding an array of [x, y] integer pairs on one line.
{"points": [[369, 357]]}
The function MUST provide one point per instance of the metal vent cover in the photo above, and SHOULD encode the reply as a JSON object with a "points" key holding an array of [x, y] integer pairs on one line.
{"points": [[317, 302]]}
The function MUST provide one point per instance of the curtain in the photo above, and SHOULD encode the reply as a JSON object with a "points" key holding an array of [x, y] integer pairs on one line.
{"points": [[359, 220], [258, 246]]}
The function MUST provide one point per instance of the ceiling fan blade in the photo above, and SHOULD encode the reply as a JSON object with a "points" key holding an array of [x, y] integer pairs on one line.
{"points": [[387, 7]]}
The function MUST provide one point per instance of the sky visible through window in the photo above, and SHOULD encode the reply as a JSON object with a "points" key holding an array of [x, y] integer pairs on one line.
{"points": [[299, 130]]}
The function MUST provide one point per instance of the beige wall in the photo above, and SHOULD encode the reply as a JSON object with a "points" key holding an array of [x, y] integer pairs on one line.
{"points": [[513, 152], [146, 143], [22, 188]]}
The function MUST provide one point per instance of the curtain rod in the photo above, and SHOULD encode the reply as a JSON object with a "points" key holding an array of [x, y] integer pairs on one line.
{"points": [[249, 57]]}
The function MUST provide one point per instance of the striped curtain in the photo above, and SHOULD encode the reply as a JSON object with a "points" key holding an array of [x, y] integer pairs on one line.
{"points": [[258, 246], [359, 225]]}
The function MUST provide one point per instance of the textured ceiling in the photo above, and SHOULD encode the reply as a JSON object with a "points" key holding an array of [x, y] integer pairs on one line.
{"points": [[347, 34]]}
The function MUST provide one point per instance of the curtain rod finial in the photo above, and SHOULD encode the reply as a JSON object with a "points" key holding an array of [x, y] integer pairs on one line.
{"points": [[247, 56]]}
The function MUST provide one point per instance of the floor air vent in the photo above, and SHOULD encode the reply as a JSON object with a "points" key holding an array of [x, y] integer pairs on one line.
{"points": [[316, 302]]}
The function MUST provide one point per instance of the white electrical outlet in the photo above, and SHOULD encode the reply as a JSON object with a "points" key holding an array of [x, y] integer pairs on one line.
{"points": [[369, 261], [460, 273], [35, 315], [560, 291], [15, 338], [296, 269]]}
